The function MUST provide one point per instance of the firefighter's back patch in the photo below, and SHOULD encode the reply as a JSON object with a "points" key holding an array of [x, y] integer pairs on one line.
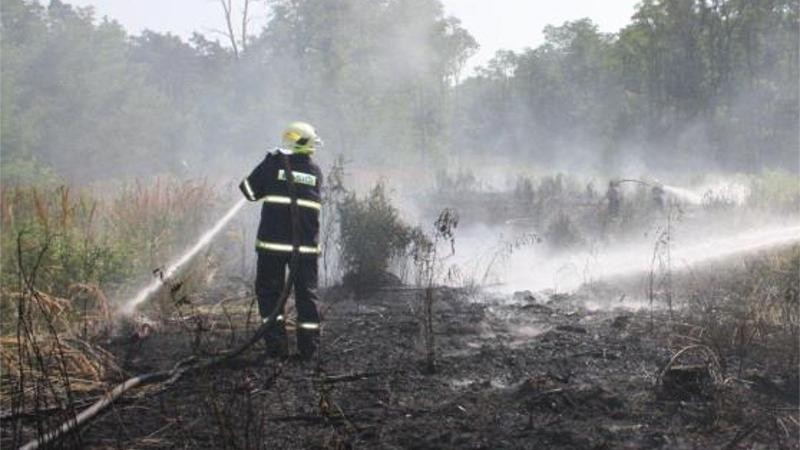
{"points": [[299, 177]]}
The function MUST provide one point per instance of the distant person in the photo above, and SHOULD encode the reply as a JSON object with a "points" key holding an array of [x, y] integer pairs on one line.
{"points": [[613, 199], [658, 197], [269, 183]]}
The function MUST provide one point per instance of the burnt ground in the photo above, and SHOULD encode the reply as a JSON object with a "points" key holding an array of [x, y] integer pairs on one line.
{"points": [[510, 373]]}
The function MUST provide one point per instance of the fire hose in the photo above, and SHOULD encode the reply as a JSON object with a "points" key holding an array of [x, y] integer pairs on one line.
{"points": [[189, 365]]}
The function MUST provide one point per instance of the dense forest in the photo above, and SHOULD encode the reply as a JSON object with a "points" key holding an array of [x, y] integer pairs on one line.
{"points": [[709, 84]]}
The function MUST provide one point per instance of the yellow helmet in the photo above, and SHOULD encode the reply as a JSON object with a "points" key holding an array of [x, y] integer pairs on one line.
{"points": [[301, 138]]}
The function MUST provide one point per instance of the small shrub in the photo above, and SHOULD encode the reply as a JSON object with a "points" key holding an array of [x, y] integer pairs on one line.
{"points": [[372, 235], [428, 261]]}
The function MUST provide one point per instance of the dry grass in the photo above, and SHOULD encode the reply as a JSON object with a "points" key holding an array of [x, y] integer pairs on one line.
{"points": [[97, 237], [89, 366], [62, 251], [749, 314], [49, 357]]}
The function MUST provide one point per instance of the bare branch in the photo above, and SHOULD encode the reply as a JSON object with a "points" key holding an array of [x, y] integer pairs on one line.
{"points": [[244, 24], [226, 8]]}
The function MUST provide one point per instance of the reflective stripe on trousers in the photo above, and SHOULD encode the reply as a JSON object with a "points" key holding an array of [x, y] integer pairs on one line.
{"points": [[302, 325], [310, 326], [287, 248]]}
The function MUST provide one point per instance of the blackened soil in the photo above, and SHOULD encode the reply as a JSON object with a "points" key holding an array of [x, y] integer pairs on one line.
{"points": [[523, 373]]}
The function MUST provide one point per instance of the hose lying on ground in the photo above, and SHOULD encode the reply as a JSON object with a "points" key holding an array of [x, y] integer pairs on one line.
{"points": [[169, 376], [186, 366]]}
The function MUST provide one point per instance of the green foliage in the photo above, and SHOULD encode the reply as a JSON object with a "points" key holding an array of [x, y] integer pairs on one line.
{"points": [[73, 100], [372, 234], [78, 89], [686, 82], [70, 238], [54, 233]]}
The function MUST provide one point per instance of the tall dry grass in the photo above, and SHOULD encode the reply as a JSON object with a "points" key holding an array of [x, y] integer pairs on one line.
{"points": [[748, 313], [64, 253], [95, 237]]}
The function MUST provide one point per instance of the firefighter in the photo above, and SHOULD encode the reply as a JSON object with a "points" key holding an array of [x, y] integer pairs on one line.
{"points": [[269, 184], [613, 198], [657, 193]]}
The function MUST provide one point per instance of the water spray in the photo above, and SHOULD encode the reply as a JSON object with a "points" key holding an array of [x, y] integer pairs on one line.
{"points": [[631, 180], [130, 306], [683, 194], [675, 191], [566, 273]]}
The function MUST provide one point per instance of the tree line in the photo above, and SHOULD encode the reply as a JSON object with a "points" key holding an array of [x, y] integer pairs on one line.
{"points": [[687, 84]]}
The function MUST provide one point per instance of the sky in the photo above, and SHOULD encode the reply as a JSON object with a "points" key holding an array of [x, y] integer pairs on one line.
{"points": [[495, 24]]}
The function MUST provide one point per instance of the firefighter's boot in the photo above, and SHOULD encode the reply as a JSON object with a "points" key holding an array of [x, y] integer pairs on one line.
{"points": [[307, 340], [277, 344]]}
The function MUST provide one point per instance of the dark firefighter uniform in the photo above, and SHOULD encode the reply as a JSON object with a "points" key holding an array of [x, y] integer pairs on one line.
{"points": [[613, 197], [268, 183]]}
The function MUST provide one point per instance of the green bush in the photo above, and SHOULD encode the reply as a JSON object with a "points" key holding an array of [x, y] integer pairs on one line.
{"points": [[371, 235]]}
